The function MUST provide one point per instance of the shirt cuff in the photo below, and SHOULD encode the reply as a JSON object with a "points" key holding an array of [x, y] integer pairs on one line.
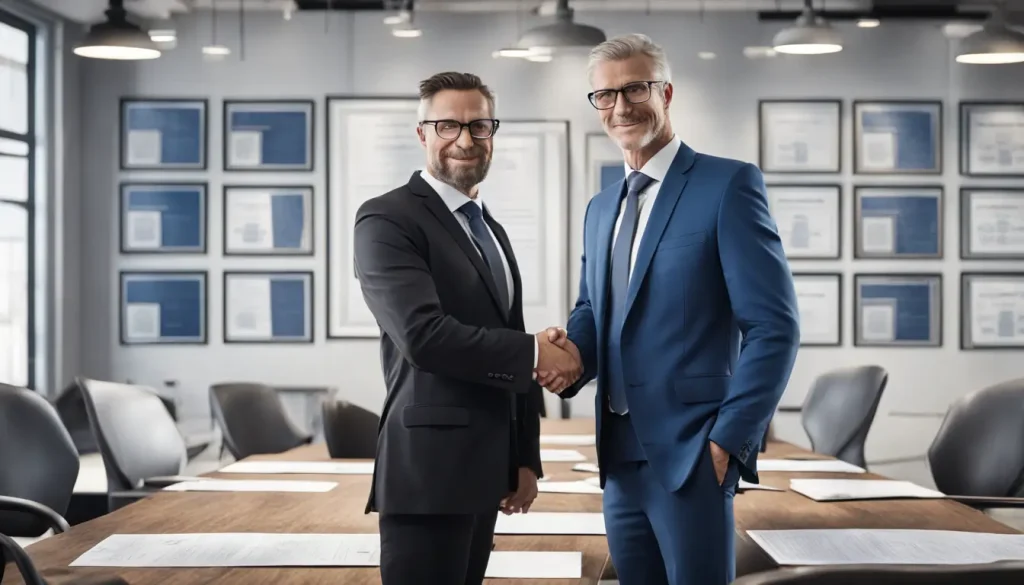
{"points": [[536, 356]]}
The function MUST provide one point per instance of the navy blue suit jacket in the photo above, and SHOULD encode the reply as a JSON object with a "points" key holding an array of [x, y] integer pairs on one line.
{"points": [[711, 328]]}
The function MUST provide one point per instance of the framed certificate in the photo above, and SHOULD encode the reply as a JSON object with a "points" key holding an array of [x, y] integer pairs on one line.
{"points": [[897, 137], [992, 310], [268, 307], [800, 136], [163, 134], [270, 135], [992, 139], [163, 218], [897, 310], [163, 307], [809, 219], [819, 297], [991, 223], [898, 222], [268, 220]]}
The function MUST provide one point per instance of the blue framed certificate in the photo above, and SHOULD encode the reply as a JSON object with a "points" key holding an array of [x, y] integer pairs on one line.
{"points": [[272, 135], [268, 307], [992, 139], [163, 218], [819, 298], [163, 307], [898, 222], [991, 223], [268, 220], [898, 310], [992, 310], [897, 137], [163, 134], [604, 163]]}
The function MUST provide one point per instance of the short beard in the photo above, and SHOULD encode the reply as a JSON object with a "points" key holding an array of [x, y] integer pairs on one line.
{"points": [[463, 179], [652, 133]]}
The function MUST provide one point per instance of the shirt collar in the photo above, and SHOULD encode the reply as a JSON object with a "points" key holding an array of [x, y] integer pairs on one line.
{"points": [[657, 168], [452, 197]]}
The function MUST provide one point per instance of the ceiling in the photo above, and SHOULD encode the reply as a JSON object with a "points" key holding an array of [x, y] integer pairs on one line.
{"points": [[92, 10]]}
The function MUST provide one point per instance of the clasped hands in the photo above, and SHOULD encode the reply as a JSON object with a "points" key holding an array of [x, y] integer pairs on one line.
{"points": [[559, 364]]}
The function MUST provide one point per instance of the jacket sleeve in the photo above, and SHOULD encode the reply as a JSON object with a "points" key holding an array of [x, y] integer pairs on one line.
{"points": [[761, 292], [399, 290], [582, 328]]}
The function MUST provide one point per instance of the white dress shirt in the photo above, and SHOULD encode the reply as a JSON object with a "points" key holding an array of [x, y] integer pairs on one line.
{"points": [[454, 199], [657, 169]]}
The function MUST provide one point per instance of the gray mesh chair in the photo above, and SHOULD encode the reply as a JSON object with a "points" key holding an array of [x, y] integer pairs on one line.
{"points": [[990, 574], [252, 420], [839, 410]]}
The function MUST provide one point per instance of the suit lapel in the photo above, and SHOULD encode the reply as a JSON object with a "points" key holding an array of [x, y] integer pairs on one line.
{"points": [[444, 215], [661, 213]]}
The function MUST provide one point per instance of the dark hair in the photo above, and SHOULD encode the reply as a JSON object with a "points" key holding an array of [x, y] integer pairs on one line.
{"points": [[453, 80]]}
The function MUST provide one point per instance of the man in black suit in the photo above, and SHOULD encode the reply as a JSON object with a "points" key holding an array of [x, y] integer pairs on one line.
{"points": [[460, 430]]}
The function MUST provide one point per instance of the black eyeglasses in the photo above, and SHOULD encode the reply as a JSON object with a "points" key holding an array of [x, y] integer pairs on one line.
{"points": [[637, 92], [452, 129]]}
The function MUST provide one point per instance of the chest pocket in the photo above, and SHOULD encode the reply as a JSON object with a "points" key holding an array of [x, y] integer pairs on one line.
{"points": [[690, 240]]}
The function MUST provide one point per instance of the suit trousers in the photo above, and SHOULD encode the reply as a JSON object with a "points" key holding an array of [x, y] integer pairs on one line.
{"points": [[657, 537], [453, 549]]}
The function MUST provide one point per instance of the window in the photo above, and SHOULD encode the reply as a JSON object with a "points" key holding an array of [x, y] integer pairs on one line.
{"points": [[17, 150]]}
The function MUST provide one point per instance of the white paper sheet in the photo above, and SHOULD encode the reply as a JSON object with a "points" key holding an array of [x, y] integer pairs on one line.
{"points": [[826, 490], [252, 485], [586, 467], [551, 523], [746, 485], [577, 440], [568, 487], [887, 546], [233, 550], [821, 466], [307, 467], [534, 565], [561, 455]]}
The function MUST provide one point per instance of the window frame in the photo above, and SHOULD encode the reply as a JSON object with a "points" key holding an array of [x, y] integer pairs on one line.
{"points": [[29, 204]]}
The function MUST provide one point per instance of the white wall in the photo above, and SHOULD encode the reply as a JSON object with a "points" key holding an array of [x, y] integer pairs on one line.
{"points": [[715, 111]]}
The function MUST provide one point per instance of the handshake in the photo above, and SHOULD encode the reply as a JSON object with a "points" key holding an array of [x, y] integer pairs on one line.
{"points": [[559, 364]]}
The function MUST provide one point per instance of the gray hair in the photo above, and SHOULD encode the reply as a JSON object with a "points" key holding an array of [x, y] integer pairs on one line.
{"points": [[623, 47]]}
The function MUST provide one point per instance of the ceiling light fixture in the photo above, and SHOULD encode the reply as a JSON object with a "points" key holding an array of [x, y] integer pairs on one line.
{"points": [[117, 39], [563, 34], [810, 35], [869, 23], [995, 44]]}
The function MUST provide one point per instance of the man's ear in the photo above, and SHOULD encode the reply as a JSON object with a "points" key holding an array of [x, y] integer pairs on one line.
{"points": [[421, 135], [669, 90]]}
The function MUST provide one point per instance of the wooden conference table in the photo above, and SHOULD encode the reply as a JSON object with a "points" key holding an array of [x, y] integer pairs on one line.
{"points": [[341, 511]]}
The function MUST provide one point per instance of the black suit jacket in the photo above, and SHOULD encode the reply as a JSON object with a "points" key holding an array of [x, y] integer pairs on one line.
{"points": [[462, 410]]}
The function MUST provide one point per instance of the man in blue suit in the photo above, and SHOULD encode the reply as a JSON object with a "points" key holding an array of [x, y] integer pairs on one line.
{"points": [[687, 317]]}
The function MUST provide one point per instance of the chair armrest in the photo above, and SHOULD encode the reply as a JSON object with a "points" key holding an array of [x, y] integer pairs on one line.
{"points": [[982, 502], [163, 481], [55, 520], [28, 571]]}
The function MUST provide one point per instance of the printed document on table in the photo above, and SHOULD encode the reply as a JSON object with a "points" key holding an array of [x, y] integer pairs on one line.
{"points": [[744, 485], [551, 523], [806, 465], [233, 550], [831, 490], [887, 547], [251, 485], [587, 467], [561, 455], [568, 487], [534, 565], [307, 467], [578, 440]]}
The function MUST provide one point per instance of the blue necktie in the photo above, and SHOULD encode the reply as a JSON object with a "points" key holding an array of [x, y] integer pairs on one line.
{"points": [[489, 250], [621, 256]]}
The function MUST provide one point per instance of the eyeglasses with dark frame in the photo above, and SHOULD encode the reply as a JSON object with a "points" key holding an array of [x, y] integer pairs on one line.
{"points": [[636, 92], [452, 129]]}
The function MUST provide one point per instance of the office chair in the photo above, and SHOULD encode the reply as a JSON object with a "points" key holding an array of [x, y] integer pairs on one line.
{"points": [[1008, 573], [13, 552], [839, 409], [977, 456], [141, 447], [350, 431], [252, 420], [38, 465]]}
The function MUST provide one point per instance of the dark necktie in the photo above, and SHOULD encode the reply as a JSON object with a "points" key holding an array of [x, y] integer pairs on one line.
{"points": [[489, 250], [621, 256]]}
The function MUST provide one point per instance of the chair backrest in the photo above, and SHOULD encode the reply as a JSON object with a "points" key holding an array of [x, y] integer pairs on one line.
{"points": [[1008, 573], [136, 435], [38, 459], [252, 419], [979, 449], [839, 410], [350, 431]]}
